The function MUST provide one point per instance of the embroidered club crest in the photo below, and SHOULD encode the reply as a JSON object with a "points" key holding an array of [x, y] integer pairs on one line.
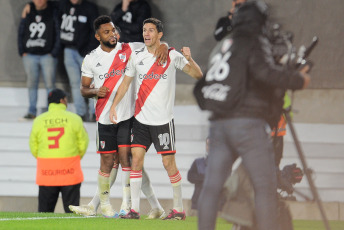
{"points": [[164, 65], [123, 57], [38, 18], [72, 11], [102, 144]]}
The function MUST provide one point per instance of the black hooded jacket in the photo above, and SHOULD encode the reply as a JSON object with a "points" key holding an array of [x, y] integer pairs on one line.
{"points": [[39, 31], [251, 77], [131, 21]]}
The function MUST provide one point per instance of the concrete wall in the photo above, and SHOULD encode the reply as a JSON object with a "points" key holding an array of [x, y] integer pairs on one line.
{"points": [[191, 23]]}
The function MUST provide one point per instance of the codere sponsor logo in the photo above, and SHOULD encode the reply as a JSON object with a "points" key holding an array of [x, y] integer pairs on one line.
{"points": [[35, 43], [152, 76], [113, 73]]}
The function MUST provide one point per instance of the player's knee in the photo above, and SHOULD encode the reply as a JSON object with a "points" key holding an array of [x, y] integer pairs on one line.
{"points": [[136, 164], [107, 160], [124, 160]]}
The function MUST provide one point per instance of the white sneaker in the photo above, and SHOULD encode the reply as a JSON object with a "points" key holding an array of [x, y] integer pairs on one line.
{"points": [[84, 210], [108, 212], [156, 213]]}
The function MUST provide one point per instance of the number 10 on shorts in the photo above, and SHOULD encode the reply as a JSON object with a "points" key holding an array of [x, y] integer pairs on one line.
{"points": [[164, 140]]}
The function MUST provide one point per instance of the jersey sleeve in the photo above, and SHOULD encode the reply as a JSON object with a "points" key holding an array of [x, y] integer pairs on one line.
{"points": [[33, 142], [180, 60], [82, 138], [136, 45], [86, 70], [131, 70]]}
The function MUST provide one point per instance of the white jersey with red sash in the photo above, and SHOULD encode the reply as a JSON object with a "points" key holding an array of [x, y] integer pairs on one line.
{"points": [[107, 69], [155, 85]]}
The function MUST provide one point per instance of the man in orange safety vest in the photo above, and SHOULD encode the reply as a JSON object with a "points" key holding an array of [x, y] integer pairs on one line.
{"points": [[58, 141]]}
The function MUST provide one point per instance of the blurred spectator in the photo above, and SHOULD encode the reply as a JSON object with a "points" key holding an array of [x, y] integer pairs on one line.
{"points": [[58, 140], [224, 24], [129, 15], [196, 176], [38, 44], [77, 38]]}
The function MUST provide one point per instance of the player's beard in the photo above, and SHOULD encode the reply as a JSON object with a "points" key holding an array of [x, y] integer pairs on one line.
{"points": [[108, 44]]}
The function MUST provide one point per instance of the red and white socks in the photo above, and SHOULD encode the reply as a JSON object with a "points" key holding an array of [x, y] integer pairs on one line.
{"points": [[94, 203], [126, 201], [135, 189], [177, 192]]}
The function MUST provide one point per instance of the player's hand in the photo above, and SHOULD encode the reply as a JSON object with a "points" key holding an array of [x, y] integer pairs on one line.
{"points": [[305, 74], [186, 52], [113, 115], [103, 91], [161, 54], [305, 69], [306, 79]]}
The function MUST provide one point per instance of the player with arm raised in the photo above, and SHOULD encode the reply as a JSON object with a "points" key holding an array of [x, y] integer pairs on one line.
{"points": [[153, 123], [104, 66]]}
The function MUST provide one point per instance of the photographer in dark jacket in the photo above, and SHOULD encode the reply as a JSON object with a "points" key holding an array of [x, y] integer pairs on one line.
{"points": [[240, 82], [38, 45], [77, 38], [129, 15]]}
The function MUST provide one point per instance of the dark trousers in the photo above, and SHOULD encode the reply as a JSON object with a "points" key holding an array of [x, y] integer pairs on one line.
{"points": [[250, 139], [278, 148], [48, 195]]}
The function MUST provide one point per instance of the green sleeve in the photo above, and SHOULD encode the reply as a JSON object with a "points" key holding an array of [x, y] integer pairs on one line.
{"points": [[82, 139], [33, 142]]}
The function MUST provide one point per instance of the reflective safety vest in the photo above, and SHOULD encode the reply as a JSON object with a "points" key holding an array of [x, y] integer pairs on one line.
{"points": [[58, 141], [282, 124], [59, 171], [281, 127]]}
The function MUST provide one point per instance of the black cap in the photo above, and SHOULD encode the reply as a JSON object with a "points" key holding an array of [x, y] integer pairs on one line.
{"points": [[56, 95]]}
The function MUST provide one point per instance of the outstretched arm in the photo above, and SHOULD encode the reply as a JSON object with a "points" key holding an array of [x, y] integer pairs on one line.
{"points": [[192, 69], [161, 53], [122, 89], [272, 74]]}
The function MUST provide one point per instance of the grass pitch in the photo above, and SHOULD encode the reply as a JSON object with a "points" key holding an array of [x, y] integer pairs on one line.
{"points": [[33, 221]]}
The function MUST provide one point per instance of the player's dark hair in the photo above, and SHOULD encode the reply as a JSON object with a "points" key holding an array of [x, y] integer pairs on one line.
{"points": [[56, 95], [156, 22], [103, 19]]}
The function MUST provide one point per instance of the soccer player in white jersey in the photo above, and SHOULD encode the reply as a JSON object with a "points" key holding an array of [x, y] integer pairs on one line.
{"points": [[153, 123], [104, 66]]}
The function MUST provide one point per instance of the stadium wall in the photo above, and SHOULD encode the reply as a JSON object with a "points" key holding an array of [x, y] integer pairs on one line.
{"points": [[191, 23]]}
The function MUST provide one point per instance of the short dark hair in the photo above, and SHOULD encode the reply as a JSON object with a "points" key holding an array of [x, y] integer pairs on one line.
{"points": [[156, 22], [56, 95], [103, 19]]}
